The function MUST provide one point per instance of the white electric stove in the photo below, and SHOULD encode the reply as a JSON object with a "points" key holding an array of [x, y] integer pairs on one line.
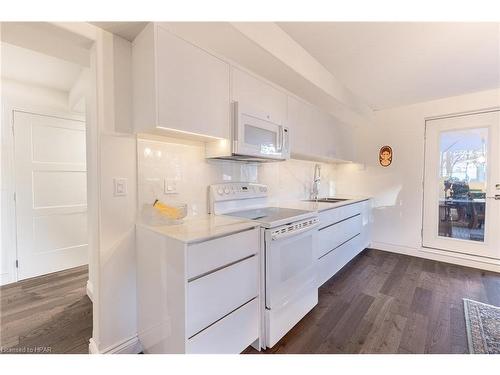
{"points": [[288, 242]]}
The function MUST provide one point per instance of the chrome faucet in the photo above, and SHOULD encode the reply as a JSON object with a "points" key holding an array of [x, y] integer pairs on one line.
{"points": [[316, 182]]}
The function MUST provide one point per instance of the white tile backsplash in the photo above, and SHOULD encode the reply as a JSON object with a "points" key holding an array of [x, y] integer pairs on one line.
{"points": [[186, 166]]}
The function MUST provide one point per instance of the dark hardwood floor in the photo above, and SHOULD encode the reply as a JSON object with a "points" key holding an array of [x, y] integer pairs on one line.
{"points": [[46, 314], [390, 303], [379, 303]]}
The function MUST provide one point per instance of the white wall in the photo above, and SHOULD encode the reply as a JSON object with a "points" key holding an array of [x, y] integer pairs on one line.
{"points": [[117, 282], [398, 189], [185, 164], [31, 95], [113, 258]]}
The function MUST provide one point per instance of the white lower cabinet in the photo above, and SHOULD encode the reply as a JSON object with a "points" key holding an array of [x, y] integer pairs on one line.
{"points": [[343, 234], [231, 334], [187, 304], [213, 296], [334, 235]]}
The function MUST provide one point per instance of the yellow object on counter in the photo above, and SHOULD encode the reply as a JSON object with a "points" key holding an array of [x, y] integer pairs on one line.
{"points": [[169, 211]]}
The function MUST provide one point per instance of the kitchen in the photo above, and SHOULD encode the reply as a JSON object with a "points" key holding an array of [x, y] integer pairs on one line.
{"points": [[252, 188], [257, 110]]}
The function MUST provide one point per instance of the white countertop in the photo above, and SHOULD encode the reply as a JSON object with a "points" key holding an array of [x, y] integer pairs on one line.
{"points": [[321, 206], [206, 227], [201, 228]]}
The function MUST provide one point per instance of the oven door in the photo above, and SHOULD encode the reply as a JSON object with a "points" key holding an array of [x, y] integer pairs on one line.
{"points": [[257, 135], [290, 267]]}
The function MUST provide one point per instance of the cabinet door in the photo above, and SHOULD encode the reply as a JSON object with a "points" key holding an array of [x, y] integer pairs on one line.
{"points": [[320, 134], [332, 139], [259, 95], [346, 144], [300, 122], [193, 88], [329, 142]]}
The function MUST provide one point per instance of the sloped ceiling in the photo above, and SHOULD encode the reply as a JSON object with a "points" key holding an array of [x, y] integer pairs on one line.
{"points": [[393, 64]]}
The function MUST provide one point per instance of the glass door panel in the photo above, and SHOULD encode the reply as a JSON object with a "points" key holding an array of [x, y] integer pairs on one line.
{"points": [[462, 183]]}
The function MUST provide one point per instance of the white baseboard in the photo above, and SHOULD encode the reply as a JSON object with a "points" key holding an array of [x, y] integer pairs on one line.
{"points": [[131, 345], [128, 346], [93, 346], [90, 290], [441, 256]]}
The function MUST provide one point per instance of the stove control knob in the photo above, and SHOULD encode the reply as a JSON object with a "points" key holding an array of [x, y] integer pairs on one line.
{"points": [[220, 191], [226, 190]]}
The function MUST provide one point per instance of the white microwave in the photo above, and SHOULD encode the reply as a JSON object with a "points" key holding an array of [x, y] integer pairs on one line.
{"points": [[256, 136]]}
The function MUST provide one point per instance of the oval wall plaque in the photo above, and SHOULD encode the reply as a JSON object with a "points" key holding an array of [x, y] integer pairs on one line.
{"points": [[385, 156]]}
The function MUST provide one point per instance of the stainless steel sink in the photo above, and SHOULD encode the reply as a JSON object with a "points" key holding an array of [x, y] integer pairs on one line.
{"points": [[327, 200]]}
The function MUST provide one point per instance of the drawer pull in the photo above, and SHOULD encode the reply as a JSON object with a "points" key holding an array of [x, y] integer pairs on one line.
{"points": [[337, 222], [218, 320], [338, 246], [221, 236], [220, 268]]}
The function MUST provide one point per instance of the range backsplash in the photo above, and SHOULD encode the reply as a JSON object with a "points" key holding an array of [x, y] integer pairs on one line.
{"points": [[183, 164]]}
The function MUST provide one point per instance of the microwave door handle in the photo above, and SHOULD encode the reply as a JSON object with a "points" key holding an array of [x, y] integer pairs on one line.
{"points": [[236, 121], [286, 140], [280, 139]]}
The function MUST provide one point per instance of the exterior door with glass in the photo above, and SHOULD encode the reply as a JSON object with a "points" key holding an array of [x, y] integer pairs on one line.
{"points": [[462, 184]]}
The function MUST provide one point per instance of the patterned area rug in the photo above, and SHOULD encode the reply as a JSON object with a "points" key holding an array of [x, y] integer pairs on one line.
{"points": [[483, 327]]}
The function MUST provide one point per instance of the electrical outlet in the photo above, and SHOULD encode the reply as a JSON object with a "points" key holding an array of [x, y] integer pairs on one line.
{"points": [[169, 186], [120, 187]]}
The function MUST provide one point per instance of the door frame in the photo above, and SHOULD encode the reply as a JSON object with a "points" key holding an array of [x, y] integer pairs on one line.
{"points": [[435, 249]]}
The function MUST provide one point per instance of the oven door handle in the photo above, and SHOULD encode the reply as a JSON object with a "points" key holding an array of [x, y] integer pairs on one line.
{"points": [[296, 232]]}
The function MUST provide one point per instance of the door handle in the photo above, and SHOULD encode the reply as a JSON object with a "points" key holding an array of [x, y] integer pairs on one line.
{"points": [[280, 139], [495, 197]]}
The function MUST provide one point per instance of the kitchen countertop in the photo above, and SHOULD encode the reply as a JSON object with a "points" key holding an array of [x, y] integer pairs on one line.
{"points": [[321, 206], [201, 228], [205, 227]]}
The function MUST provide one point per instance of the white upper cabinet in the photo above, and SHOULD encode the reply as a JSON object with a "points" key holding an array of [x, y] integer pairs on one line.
{"points": [[300, 122], [182, 90], [321, 136], [346, 145], [259, 95], [330, 140], [179, 89], [314, 133]]}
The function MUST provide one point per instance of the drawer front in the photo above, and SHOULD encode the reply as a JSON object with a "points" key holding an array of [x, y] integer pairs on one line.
{"points": [[209, 255], [211, 297], [230, 335], [335, 215], [334, 235], [331, 263]]}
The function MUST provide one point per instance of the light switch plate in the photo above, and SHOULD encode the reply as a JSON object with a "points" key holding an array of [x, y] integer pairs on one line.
{"points": [[120, 187]]}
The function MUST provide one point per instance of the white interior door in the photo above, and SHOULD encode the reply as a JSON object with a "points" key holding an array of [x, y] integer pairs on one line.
{"points": [[462, 184], [51, 194]]}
